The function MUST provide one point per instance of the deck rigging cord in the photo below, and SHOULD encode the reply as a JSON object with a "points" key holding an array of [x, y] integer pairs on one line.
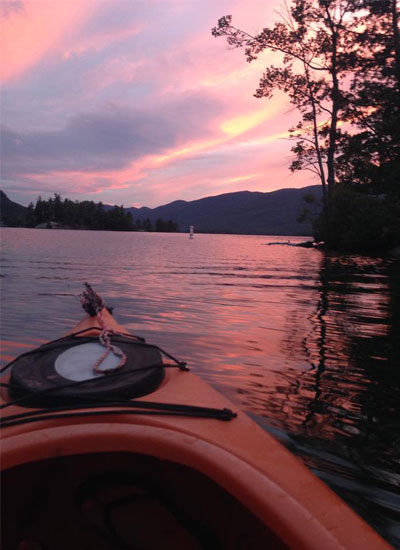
{"points": [[110, 405], [94, 304]]}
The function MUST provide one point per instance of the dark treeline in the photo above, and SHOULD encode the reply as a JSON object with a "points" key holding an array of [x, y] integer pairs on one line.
{"points": [[339, 63], [56, 212]]}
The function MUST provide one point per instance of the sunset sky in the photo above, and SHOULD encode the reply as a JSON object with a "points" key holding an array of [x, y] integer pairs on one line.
{"points": [[136, 103]]}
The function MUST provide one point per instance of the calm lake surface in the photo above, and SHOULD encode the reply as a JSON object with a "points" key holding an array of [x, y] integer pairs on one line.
{"points": [[306, 342]]}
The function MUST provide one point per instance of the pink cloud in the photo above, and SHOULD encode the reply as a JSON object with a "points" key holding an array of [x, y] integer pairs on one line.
{"points": [[31, 33], [145, 122], [99, 40]]}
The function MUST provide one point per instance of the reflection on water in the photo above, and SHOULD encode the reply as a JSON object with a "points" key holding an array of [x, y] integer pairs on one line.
{"points": [[342, 413], [306, 342]]}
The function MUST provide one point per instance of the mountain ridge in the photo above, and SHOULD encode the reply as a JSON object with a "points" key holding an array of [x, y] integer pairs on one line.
{"points": [[10, 210], [240, 212]]}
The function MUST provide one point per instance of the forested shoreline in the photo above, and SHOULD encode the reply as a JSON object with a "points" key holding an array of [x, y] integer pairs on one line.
{"points": [[58, 213]]}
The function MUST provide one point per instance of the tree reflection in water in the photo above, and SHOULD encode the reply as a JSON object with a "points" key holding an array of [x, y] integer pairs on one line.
{"points": [[341, 416]]}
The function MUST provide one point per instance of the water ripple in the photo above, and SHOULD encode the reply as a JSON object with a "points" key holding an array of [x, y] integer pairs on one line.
{"points": [[306, 342]]}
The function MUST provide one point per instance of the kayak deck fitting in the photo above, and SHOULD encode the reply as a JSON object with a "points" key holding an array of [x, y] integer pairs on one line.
{"points": [[111, 443]]}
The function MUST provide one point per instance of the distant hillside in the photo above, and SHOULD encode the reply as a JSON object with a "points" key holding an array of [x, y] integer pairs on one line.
{"points": [[10, 211], [244, 212]]}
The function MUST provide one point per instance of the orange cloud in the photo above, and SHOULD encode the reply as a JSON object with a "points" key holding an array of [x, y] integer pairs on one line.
{"points": [[240, 178], [232, 128], [190, 149], [246, 121], [140, 170]]}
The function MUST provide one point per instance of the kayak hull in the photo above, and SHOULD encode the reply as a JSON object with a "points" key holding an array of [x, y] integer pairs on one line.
{"points": [[289, 506]]}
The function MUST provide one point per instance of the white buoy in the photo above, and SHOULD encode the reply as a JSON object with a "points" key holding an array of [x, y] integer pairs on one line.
{"points": [[191, 229]]}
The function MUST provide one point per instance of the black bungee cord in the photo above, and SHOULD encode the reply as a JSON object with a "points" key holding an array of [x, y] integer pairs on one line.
{"points": [[112, 405]]}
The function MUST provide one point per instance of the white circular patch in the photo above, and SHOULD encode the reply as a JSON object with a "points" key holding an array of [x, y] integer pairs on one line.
{"points": [[77, 363]]}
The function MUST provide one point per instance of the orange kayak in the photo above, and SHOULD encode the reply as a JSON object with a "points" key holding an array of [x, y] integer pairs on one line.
{"points": [[145, 455]]}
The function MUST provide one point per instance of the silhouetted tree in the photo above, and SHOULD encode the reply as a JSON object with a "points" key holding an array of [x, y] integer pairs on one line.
{"points": [[147, 225], [162, 226], [340, 66], [30, 218], [316, 50], [74, 214], [370, 156], [42, 211], [84, 215]]}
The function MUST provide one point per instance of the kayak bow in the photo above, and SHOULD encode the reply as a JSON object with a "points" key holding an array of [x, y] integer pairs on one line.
{"points": [[139, 458]]}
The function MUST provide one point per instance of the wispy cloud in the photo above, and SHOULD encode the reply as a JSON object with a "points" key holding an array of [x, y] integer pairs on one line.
{"points": [[136, 101]]}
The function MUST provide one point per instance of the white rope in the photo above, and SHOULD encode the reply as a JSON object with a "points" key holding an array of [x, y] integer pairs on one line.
{"points": [[94, 304]]}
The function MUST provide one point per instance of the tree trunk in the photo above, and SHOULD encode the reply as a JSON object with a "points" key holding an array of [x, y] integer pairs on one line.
{"points": [[335, 95]]}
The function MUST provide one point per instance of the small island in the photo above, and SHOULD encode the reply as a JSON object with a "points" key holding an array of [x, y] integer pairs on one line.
{"points": [[58, 213]]}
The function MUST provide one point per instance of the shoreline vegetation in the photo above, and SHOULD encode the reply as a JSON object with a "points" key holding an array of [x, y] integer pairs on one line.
{"points": [[58, 213], [339, 64], [359, 223]]}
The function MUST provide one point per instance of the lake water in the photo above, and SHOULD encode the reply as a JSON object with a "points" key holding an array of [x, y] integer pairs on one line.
{"points": [[305, 341]]}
